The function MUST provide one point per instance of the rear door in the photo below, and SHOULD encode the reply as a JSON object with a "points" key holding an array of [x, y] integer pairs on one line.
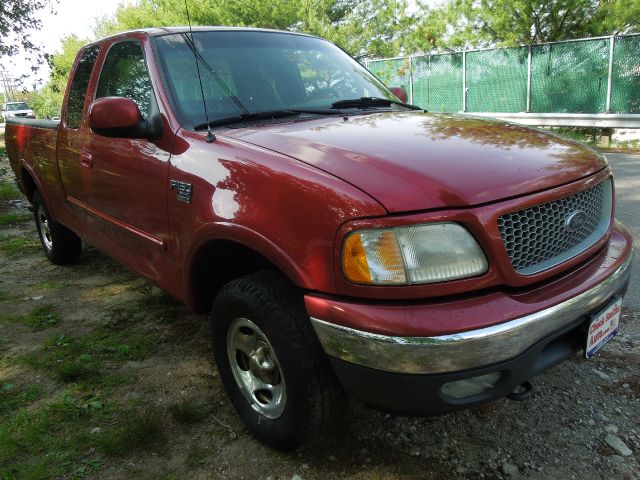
{"points": [[73, 132]]}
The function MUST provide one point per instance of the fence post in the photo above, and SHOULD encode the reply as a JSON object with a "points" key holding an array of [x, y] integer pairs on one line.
{"points": [[464, 79], [610, 80], [529, 80], [410, 80]]}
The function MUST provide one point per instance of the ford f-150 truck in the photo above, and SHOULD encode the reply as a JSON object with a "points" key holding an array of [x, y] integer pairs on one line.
{"points": [[345, 243]]}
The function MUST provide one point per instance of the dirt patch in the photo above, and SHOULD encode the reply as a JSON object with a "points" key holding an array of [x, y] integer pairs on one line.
{"points": [[120, 382]]}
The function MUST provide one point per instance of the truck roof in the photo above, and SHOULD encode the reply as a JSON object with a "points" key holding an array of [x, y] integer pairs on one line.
{"points": [[160, 31]]}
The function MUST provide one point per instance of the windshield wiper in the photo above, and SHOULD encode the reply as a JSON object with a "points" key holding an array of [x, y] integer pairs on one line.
{"points": [[366, 102], [247, 117]]}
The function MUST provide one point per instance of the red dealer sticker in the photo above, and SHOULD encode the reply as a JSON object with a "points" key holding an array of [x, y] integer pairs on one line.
{"points": [[603, 327]]}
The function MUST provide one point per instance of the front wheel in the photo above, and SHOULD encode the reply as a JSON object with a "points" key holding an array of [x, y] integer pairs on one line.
{"points": [[270, 361], [60, 245]]}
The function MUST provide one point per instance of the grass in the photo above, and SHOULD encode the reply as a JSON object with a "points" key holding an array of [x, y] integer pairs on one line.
{"points": [[140, 430], [8, 191], [51, 285], [84, 359], [73, 432], [12, 398], [196, 457], [6, 296], [16, 246], [626, 145], [38, 319], [68, 435], [187, 412], [13, 218], [59, 427], [583, 134]]}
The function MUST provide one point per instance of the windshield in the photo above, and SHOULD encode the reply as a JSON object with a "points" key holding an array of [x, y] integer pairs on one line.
{"points": [[12, 107], [250, 72]]}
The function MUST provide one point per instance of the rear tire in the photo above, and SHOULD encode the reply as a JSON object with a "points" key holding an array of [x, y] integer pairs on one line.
{"points": [[60, 245], [271, 363]]}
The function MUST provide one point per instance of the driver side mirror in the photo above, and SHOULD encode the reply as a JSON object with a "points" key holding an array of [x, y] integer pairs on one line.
{"points": [[400, 93], [121, 118]]}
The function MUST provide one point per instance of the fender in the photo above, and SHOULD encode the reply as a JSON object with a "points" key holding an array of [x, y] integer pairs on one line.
{"points": [[39, 186], [248, 238]]}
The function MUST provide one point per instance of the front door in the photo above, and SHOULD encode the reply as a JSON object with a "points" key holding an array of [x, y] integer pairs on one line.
{"points": [[126, 197]]}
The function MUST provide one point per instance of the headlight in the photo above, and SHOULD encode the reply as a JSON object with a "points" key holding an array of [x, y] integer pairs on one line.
{"points": [[416, 254]]}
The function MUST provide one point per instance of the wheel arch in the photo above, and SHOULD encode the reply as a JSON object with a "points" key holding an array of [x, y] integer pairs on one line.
{"points": [[28, 184], [218, 259]]}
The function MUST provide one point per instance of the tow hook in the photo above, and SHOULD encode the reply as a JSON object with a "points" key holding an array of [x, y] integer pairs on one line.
{"points": [[522, 392]]}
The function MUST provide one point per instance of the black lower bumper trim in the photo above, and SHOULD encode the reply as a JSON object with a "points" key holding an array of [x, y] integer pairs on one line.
{"points": [[422, 394]]}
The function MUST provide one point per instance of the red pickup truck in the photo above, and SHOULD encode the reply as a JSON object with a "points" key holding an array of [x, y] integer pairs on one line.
{"points": [[344, 242]]}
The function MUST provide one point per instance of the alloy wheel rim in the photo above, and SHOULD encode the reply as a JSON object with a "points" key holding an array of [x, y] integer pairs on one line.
{"points": [[255, 368], [45, 229]]}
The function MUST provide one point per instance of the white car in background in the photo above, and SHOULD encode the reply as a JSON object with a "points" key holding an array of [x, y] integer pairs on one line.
{"points": [[16, 109]]}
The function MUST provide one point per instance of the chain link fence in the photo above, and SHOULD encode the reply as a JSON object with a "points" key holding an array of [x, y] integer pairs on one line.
{"points": [[599, 75]]}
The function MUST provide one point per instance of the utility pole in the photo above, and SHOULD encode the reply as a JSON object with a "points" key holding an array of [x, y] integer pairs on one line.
{"points": [[8, 86]]}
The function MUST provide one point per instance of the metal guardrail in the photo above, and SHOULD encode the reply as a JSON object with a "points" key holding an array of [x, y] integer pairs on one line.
{"points": [[598, 120], [583, 82]]}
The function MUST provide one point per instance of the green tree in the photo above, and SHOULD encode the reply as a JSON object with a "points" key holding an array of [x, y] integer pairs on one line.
{"points": [[473, 23], [362, 27], [61, 62], [17, 19], [47, 101], [620, 15]]}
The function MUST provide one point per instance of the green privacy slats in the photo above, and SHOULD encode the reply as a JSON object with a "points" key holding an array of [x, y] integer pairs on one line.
{"points": [[437, 82], [566, 77], [393, 72], [497, 80], [625, 91], [570, 77]]}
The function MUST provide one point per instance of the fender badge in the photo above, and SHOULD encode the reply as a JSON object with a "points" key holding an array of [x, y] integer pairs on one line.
{"points": [[183, 190]]}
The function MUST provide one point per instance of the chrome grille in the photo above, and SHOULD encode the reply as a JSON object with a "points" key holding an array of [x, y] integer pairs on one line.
{"points": [[539, 237]]}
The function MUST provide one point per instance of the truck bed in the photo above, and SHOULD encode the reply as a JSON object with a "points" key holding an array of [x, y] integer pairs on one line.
{"points": [[31, 147], [37, 123]]}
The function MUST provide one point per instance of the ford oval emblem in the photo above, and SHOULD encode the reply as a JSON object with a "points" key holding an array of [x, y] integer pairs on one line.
{"points": [[575, 221]]}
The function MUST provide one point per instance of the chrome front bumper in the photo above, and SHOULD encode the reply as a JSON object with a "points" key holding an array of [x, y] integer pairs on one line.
{"points": [[465, 350]]}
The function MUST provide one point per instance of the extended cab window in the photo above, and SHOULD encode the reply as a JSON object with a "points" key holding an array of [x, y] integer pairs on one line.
{"points": [[125, 74], [78, 89]]}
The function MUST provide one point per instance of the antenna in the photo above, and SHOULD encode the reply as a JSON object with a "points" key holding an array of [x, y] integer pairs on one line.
{"points": [[210, 136]]}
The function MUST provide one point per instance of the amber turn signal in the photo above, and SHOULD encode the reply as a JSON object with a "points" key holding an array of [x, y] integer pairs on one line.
{"points": [[354, 260], [373, 257]]}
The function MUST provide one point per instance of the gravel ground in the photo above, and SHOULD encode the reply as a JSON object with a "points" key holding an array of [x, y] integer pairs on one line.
{"points": [[582, 423]]}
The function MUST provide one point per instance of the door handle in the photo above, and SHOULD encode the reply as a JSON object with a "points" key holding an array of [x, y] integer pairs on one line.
{"points": [[86, 160]]}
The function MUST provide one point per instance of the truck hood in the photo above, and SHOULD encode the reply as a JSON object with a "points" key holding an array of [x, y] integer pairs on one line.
{"points": [[411, 161]]}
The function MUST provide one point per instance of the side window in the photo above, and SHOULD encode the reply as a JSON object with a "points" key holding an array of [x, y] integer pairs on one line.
{"points": [[125, 74], [79, 84]]}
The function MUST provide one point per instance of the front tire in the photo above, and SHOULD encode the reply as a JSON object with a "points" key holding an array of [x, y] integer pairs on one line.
{"points": [[270, 361], [60, 245]]}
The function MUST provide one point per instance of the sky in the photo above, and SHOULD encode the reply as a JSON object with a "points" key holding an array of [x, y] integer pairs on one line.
{"points": [[73, 16]]}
